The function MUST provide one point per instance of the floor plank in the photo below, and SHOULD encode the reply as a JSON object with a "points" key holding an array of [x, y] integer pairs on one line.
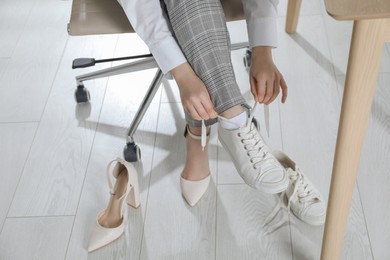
{"points": [[59, 155], [3, 66], [15, 143], [241, 212], [26, 84], [357, 244], [35, 238], [11, 25], [173, 230]]}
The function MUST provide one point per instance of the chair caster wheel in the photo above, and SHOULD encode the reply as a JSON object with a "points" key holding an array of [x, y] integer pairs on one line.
{"points": [[82, 94], [132, 152], [248, 59]]}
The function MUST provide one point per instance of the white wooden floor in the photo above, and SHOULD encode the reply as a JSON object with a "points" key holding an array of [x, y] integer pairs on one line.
{"points": [[52, 161]]}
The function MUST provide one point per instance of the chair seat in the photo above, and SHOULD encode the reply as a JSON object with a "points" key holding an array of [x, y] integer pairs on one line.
{"points": [[90, 17]]}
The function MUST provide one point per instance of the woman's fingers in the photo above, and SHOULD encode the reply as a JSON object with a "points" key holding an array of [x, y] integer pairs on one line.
{"points": [[269, 91], [283, 85], [193, 113], [201, 109], [266, 91], [260, 87], [276, 90], [208, 106], [253, 88]]}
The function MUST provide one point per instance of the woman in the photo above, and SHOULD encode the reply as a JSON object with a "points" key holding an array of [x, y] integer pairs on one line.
{"points": [[189, 40]]}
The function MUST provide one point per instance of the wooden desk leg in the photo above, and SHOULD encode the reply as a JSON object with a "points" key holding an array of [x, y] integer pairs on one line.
{"points": [[293, 9], [363, 65]]}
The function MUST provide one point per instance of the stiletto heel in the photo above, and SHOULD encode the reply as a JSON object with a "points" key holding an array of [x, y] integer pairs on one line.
{"points": [[110, 223]]}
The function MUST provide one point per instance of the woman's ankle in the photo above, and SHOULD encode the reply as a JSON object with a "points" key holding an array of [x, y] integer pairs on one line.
{"points": [[233, 111], [197, 162], [197, 130]]}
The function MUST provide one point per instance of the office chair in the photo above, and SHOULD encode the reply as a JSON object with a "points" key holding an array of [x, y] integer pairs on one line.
{"points": [[91, 17]]}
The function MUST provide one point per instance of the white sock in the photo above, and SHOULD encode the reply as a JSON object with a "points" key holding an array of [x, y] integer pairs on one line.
{"points": [[234, 122]]}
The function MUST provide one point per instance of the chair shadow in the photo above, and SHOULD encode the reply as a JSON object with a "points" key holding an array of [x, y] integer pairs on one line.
{"points": [[149, 137], [326, 64], [377, 110]]}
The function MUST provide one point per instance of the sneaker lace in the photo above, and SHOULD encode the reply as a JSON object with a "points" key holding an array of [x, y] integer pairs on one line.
{"points": [[252, 142], [266, 117], [302, 190], [254, 145]]}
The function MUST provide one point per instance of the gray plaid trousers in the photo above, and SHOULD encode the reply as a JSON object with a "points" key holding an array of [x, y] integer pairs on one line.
{"points": [[200, 30]]}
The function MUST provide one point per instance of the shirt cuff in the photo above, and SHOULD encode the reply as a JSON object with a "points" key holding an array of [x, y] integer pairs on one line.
{"points": [[167, 54], [262, 32]]}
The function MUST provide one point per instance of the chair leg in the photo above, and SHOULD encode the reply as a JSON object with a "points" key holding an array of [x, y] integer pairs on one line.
{"points": [[131, 151], [143, 64], [363, 66], [293, 9]]}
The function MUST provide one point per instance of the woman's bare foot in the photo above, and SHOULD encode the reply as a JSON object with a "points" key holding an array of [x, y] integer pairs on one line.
{"points": [[197, 161]]}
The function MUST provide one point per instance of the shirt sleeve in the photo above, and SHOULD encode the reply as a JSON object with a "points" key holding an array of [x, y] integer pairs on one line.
{"points": [[261, 18], [150, 23]]}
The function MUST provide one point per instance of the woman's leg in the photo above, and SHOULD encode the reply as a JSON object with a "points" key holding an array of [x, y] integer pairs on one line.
{"points": [[197, 162], [200, 29]]}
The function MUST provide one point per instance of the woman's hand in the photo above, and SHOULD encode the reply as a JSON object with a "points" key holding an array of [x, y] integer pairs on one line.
{"points": [[265, 78], [193, 93]]}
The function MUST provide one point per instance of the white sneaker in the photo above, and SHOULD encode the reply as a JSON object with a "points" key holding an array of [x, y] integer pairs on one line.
{"points": [[303, 198], [252, 159]]}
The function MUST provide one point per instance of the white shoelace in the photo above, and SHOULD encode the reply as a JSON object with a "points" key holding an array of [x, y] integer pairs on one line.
{"points": [[251, 140], [304, 193], [266, 118]]}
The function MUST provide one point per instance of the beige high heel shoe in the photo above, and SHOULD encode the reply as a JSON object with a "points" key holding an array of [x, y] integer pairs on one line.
{"points": [[110, 223], [193, 191]]}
